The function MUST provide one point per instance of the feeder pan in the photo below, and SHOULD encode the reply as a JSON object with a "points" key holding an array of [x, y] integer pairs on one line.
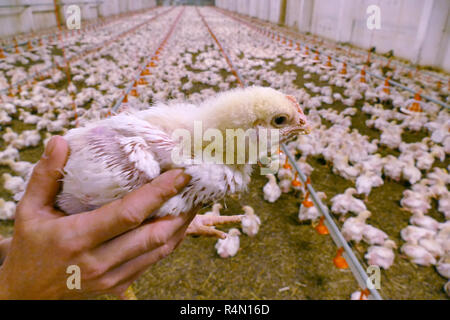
{"points": [[305, 54], [315, 59], [415, 106], [327, 65]]}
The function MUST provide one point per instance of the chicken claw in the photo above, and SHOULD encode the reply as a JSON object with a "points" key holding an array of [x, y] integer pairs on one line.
{"points": [[203, 225]]}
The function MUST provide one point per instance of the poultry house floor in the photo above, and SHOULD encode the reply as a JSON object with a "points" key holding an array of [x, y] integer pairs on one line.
{"points": [[284, 254]]}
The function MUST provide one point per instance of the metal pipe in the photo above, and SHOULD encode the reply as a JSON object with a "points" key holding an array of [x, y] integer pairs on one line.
{"points": [[355, 266], [338, 238], [441, 103], [89, 50], [130, 86]]}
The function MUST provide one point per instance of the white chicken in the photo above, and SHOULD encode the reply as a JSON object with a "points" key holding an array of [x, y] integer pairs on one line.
{"points": [[250, 222], [353, 228], [229, 246], [343, 203], [308, 212], [443, 266], [215, 210], [373, 236], [13, 184], [7, 209], [271, 189], [285, 185], [358, 295], [418, 254], [415, 202], [111, 157], [367, 181], [23, 168], [421, 220], [411, 173], [413, 234], [382, 256]]}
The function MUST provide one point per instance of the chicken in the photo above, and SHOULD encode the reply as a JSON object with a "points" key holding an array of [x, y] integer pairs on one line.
{"points": [[7, 209], [367, 181], [229, 246], [111, 157], [358, 295], [432, 246], [23, 168], [250, 221], [285, 185], [13, 184], [421, 220], [353, 228], [308, 211], [343, 203], [443, 266], [413, 234], [418, 254], [215, 210], [271, 189], [373, 236], [382, 256]]}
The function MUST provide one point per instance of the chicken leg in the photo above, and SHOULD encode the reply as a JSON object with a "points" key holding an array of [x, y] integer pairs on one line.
{"points": [[203, 225]]}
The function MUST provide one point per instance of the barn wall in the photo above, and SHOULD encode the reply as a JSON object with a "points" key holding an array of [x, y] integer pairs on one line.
{"points": [[15, 18], [416, 30]]}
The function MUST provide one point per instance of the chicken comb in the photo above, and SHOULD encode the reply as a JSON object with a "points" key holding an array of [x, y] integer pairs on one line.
{"points": [[294, 101]]}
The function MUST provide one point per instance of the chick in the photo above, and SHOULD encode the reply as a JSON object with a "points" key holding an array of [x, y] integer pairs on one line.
{"points": [[382, 256], [250, 221], [7, 209], [418, 254], [111, 157], [271, 189], [215, 210], [13, 184], [353, 228], [229, 246]]}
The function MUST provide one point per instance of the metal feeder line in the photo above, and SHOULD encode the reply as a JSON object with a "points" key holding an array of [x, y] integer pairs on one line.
{"points": [[53, 65], [355, 266], [360, 51], [130, 86], [353, 262], [321, 52]]}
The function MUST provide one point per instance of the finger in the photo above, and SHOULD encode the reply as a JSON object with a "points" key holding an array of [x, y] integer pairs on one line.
{"points": [[129, 212], [126, 271], [218, 220], [206, 231], [136, 242], [44, 182]]}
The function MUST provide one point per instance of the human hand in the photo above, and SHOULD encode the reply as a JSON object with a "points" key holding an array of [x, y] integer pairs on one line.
{"points": [[112, 245], [4, 248]]}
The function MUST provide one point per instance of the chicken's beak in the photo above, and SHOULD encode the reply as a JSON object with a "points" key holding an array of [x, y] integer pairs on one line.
{"points": [[303, 125]]}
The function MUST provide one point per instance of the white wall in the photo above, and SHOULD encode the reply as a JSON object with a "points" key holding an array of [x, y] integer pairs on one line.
{"points": [[262, 9], [18, 19], [274, 13], [417, 30]]}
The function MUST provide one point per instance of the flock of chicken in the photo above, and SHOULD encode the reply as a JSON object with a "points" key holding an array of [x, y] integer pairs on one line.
{"points": [[193, 69]]}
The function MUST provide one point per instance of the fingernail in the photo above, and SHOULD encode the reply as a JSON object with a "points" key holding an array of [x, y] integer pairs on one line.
{"points": [[181, 180], [50, 148]]}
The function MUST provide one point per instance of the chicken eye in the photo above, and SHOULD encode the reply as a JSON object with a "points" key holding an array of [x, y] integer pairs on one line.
{"points": [[279, 121]]}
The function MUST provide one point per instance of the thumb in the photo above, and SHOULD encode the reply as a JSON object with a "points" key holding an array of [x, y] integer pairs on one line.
{"points": [[44, 182]]}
